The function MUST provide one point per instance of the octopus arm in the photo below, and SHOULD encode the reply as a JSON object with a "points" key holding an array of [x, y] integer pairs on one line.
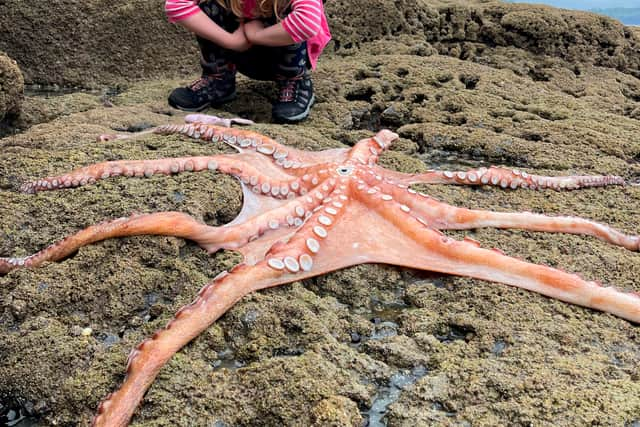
{"points": [[446, 217], [508, 178], [138, 168], [306, 254], [431, 250], [175, 224], [149, 356]]}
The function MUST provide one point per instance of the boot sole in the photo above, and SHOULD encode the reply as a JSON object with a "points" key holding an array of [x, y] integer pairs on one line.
{"points": [[203, 107], [298, 117]]}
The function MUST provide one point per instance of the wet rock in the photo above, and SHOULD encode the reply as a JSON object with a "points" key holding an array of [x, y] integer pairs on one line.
{"points": [[355, 337], [336, 411], [383, 329], [400, 351], [498, 348], [17, 412], [76, 330], [388, 394], [464, 30], [392, 117], [470, 81], [110, 339], [11, 87], [19, 309], [507, 92]]}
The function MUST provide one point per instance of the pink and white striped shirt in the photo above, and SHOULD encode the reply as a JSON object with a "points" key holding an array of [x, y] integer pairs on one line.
{"points": [[306, 21], [178, 10]]}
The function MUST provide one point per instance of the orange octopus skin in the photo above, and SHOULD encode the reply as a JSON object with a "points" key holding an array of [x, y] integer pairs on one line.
{"points": [[308, 213]]}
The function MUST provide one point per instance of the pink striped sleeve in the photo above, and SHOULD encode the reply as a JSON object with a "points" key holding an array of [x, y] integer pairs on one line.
{"points": [[304, 20], [178, 10]]}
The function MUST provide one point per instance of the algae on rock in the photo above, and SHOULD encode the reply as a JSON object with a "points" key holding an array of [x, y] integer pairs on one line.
{"points": [[464, 85]]}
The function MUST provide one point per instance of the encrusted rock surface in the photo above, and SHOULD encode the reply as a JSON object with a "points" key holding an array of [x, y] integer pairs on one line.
{"points": [[11, 87], [84, 43], [546, 91]]}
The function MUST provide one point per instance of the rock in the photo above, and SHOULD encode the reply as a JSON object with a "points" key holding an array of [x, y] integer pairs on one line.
{"points": [[336, 411], [11, 86], [501, 92], [96, 46]]}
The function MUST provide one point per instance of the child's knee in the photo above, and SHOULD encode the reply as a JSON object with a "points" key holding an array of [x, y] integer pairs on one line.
{"points": [[219, 15]]}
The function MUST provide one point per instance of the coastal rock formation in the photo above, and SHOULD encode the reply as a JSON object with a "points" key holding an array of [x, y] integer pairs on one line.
{"points": [[11, 87], [464, 85], [91, 45]]}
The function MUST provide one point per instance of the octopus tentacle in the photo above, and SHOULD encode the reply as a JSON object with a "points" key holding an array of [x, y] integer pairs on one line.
{"points": [[368, 150], [240, 168], [138, 168], [510, 178], [431, 250], [164, 223], [283, 187], [374, 191], [292, 214], [218, 121], [237, 138], [466, 259], [388, 192], [246, 140], [443, 216], [301, 252], [189, 118], [284, 263], [311, 176], [241, 139], [149, 356], [453, 218]]}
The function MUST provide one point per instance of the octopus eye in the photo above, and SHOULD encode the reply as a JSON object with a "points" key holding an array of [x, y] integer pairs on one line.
{"points": [[344, 170]]}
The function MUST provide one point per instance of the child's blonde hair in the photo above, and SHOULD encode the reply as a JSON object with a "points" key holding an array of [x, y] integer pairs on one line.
{"points": [[264, 8]]}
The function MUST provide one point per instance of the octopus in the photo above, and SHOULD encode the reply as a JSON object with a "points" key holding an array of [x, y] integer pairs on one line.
{"points": [[308, 213]]}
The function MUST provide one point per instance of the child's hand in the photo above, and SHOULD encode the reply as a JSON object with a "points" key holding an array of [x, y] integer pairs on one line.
{"points": [[238, 40], [251, 30]]}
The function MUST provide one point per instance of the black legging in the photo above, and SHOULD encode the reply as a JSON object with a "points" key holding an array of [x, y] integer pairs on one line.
{"points": [[258, 62]]}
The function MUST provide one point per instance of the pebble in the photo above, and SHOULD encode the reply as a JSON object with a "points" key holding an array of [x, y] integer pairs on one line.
{"points": [[355, 337]]}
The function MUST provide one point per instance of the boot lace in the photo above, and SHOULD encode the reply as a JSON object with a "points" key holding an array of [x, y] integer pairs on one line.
{"points": [[288, 88], [204, 81]]}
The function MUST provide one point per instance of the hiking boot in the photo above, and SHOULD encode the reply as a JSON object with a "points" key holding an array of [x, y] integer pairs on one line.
{"points": [[295, 99], [208, 90]]}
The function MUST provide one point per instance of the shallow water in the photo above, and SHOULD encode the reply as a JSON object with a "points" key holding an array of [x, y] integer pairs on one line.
{"points": [[18, 413], [387, 395], [49, 91]]}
